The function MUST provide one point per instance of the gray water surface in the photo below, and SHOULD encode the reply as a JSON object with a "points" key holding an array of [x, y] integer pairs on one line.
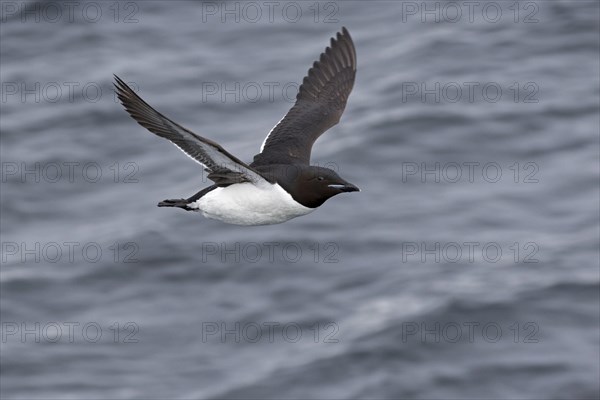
{"points": [[467, 267]]}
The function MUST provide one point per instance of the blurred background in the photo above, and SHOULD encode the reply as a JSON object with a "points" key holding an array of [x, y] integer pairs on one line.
{"points": [[468, 266]]}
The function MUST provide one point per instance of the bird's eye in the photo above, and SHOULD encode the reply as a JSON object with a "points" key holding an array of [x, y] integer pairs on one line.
{"points": [[320, 178]]}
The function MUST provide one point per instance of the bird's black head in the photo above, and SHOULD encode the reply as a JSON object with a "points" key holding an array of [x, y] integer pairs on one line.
{"points": [[312, 186]]}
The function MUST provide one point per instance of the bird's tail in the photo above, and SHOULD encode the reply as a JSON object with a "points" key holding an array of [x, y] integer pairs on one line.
{"points": [[181, 203]]}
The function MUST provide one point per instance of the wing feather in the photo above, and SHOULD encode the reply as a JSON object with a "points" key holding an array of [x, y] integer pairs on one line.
{"points": [[320, 102], [224, 168]]}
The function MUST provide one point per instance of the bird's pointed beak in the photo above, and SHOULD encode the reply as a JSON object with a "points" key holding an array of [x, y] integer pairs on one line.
{"points": [[347, 187]]}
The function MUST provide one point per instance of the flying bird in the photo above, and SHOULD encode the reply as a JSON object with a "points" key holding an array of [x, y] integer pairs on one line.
{"points": [[279, 184]]}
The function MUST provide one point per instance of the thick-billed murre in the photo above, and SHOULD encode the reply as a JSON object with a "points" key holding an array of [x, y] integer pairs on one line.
{"points": [[280, 184]]}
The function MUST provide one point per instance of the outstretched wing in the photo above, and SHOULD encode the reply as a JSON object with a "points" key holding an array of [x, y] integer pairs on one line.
{"points": [[319, 105], [224, 169]]}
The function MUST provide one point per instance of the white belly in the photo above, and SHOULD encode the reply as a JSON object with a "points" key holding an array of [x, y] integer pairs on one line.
{"points": [[247, 204]]}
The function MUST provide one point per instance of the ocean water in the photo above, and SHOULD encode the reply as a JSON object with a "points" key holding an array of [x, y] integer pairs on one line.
{"points": [[467, 267]]}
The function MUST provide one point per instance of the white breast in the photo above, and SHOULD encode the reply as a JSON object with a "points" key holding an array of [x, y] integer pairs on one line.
{"points": [[247, 204]]}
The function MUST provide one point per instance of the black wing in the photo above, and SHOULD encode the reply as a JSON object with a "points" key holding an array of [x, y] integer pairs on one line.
{"points": [[224, 169], [319, 105]]}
